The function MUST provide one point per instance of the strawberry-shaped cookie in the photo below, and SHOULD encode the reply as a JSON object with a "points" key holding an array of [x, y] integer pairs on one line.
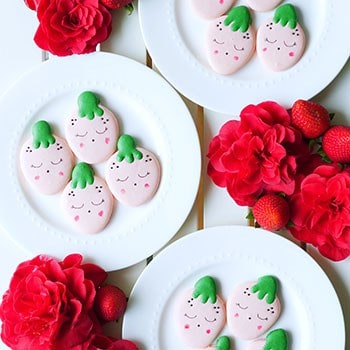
{"points": [[263, 5], [200, 314], [132, 173], [275, 340], [253, 308], [281, 40], [210, 9], [46, 160], [92, 130], [230, 41], [87, 200]]}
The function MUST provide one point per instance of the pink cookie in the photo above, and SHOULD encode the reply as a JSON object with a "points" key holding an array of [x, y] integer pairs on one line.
{"points": [[132, 173], [92, 131], [212, 8], [230, 41], [87, 200], [281, 40], [200, 314], [275, 340], [263, 5], [253, 308], [46, 160]]}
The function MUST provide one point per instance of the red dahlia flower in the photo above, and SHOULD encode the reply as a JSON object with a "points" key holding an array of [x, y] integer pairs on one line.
{"points": [[257, 154], [320, 211], [49, 304]]}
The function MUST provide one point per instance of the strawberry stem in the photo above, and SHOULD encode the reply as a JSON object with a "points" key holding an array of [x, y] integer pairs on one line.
{"points": [[205, 287], [277, 340], [238, 18], [223, 343], [82, 175], [42, 134], [88, 105], [266, 286], [127, 149], [286, 14]]}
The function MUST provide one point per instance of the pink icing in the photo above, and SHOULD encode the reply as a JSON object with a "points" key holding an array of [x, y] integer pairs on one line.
{"points": [[198, 323], [137, 181], [274, 44], [92, 141], [51, 165], [88, 210], [210, 9], [255, 316], [228, 50]]}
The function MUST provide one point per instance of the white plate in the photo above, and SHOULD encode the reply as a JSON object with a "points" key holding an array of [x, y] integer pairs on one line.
{"points": [[148, 108], [174, 36], [311, 313]]}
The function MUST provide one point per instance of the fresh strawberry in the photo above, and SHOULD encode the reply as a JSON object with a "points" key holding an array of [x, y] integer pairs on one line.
{"points": [[336, 143], [271, 212], [116, 4], [110, 303], [310, 118]]}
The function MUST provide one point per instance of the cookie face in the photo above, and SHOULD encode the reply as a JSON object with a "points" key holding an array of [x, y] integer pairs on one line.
{"points": [[250, 314], [211, 8], [198, 320], [88, 203], [228, 50], [263, 5], [133, 181], [279, 46], [92, 130], [46, 160]]}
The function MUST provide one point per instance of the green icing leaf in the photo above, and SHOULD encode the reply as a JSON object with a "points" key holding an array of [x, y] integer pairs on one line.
{"points": [[127, 149], [82, 175], [238, 18], [205, 287], [223, 343], [266, 286], [276, 340], [88, 105], [42, 134], [286, 14]]}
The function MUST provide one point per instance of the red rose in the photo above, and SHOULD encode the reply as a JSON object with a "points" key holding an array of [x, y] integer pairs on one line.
{"points": [[71, 26], [320, 211], [49, 304], [101, 342], [32, 4], [257, 154]]}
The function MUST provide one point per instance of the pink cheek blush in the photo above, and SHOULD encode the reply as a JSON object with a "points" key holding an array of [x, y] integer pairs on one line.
{"points": [[221, 2], [122, 191], [146, 185], [236, 58], [81, 145], [259, 327], [100, 213], [291, 54], [187, 326], [208, 331], [37, 177], [61, 173], [107, 139], [76, 218], [216, 52], [264, 49], [236, 315]]}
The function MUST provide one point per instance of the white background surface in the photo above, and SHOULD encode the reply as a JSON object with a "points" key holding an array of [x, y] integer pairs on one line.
{"points": [[19, 53]]}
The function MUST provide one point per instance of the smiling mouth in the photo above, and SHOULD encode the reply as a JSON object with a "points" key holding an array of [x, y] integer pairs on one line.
{"points": [[218, 42]]}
